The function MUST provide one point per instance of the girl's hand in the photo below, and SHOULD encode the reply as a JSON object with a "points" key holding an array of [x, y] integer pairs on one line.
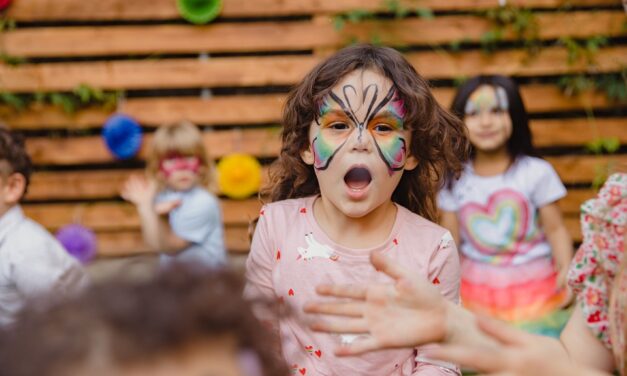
{"points": [[139, 191], [164, 208], [408, 313], [518, 353]]}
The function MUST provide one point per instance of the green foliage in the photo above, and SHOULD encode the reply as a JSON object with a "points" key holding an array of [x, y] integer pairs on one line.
{"points": [[522, 22], [13, 100], [7, 24], [613, 85], [11, 60], [80, 97], [602, 145], [583, 49]]}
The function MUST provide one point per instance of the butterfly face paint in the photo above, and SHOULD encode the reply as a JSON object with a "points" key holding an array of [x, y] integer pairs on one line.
{"points": [[487, 118], [487, 99], [174, 163], [340, 116]]}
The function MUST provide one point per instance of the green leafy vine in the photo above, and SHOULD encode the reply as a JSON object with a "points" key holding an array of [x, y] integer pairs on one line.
{"points": [[82, 96]]}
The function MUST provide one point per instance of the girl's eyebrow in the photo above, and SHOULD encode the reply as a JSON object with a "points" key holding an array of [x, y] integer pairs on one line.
{"points": [[386, 113]]}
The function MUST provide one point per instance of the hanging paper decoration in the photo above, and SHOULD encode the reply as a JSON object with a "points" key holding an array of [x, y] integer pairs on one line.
{"points": [[123, 136], [239, 175], [4, 4], [79, 241], [199, 11]]}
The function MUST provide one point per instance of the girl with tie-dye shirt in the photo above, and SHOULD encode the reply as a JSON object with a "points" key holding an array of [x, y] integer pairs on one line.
{"points": [[365, 147], [516, 249]]}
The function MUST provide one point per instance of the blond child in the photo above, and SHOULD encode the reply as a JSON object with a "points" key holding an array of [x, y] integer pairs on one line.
{"points": [[180, 218]]}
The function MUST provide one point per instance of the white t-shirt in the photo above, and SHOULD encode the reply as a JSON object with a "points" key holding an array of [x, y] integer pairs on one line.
{"points": [[32, 264], [199, 221], [498, 215]]}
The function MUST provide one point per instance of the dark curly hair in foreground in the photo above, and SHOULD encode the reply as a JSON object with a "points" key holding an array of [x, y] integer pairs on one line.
{"points": [[129, 323]]}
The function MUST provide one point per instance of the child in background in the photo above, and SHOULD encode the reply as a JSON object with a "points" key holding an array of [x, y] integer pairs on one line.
{"points": [[365, 146], [32, 262], [179, 173], [183, 322], [515, 246]]}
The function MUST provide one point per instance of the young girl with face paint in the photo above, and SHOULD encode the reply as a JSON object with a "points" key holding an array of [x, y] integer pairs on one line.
{"points": [[365, 148], [516, 249], [180, 218]]}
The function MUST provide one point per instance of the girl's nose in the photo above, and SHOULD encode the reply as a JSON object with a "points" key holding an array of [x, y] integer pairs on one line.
{"points": [[361, 139], [485, 118]]}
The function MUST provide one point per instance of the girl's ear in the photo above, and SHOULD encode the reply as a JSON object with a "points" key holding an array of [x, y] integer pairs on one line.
{"points": [[307, 156], [411, 163]]}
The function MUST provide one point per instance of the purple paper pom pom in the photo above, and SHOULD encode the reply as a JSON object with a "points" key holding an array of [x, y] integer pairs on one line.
{"points": [[79, 241]]}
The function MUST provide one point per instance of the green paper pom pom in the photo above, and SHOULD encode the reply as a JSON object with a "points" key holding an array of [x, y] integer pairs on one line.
{"points": [[199, 11]]}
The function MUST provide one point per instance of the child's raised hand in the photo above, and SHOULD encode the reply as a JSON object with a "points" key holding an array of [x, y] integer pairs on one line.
{"points": [[409, 313], [139, 191]]}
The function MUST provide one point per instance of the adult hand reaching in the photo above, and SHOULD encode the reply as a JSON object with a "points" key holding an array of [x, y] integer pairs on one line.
{"points": [[518, 354], [408, 313]]}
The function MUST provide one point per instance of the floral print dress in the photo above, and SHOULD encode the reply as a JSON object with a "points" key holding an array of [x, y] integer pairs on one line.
{"points": [[597, 275]]}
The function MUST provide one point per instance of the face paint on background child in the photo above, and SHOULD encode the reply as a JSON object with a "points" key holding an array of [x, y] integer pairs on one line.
{"points": [[173, 163], [485, 100]]}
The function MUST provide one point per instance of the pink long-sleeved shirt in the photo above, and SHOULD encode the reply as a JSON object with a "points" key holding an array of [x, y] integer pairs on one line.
{"points": [[291, 255]]}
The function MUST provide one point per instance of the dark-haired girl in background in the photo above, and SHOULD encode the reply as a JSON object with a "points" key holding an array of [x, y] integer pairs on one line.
{"points": [[515, 246]]}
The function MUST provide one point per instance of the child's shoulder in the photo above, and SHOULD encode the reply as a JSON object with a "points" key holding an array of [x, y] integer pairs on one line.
{"points": [[287, 208], [425, 231], [529, 163]]}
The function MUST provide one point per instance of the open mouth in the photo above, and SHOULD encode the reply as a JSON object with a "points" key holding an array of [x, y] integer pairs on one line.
{"points": [[357, 178]]}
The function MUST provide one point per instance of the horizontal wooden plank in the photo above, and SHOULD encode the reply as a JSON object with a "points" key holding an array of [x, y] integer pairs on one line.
{"points": [[282, 70], [252, 109], [275, 36], [130, 243], [48, 10], [116, 216], [84, 184], [576, 132], [584, 169], [92, 149], [265, 142]]}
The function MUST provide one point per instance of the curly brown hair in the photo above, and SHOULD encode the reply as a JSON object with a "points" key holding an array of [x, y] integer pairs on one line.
{"points": [[13, 153], [438, 138], [129, 322]]}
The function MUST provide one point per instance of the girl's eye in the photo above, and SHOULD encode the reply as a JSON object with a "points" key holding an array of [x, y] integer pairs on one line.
{"points": [[168, 163], [471, 113], [498, 111], [338, 126], [383, 128]]}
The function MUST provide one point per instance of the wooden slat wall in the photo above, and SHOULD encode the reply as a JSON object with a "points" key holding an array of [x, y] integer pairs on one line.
{"points": [[73, 42]]}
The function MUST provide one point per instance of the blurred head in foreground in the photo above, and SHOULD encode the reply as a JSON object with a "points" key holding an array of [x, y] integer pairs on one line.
{"points": [[181, 322]]}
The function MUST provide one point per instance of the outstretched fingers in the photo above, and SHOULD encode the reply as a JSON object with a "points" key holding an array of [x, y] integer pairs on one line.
{"points": [[388, 266], [349, 309], [342, 291], [340, 325], [360, 346]]}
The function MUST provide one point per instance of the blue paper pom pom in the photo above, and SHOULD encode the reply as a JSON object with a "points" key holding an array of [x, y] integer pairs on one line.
{"points": [[123, 136], [79, 241]]}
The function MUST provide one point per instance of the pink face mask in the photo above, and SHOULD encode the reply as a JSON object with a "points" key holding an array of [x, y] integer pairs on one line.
{"points": [[170, 165]]}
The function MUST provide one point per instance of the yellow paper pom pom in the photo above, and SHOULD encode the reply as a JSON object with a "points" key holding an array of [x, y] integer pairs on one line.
{"points": [[239, 175]]}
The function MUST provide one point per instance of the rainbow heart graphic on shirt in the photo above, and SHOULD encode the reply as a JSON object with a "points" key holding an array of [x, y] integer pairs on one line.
{"points": [[501, 226]]}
